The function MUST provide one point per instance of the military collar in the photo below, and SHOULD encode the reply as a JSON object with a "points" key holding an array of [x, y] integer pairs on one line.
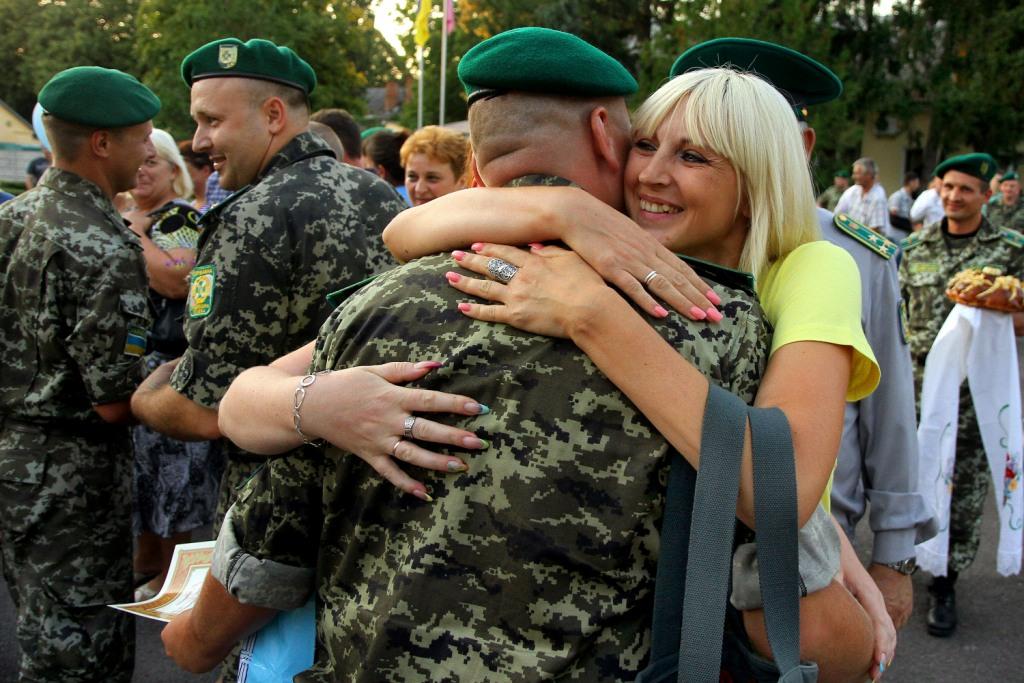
{"points": [[532, 179], [933, 233], [737, 279], [302, 146], [75, 186]]}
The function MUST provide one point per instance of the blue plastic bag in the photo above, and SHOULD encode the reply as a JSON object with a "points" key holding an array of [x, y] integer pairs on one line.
{"points": [[281, 649]]}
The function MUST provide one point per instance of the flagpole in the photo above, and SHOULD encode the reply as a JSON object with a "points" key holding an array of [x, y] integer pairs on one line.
{"points": [[444, 67], [419, 105]]}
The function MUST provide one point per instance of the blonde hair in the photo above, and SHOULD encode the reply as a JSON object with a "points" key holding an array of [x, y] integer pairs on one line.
{"points": [[167, 149], [747, 121], [440, 144]]}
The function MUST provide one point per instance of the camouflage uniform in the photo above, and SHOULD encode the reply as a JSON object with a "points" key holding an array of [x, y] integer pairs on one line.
{"points": [[73, 322], [830, 197], [930, 259], [540, 560], [1003, 216], [268, 255]]}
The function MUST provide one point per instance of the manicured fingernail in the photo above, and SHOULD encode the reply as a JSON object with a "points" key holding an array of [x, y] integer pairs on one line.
{"points": [[474, 442], [661, 312], [458, 255], [452, 277], [478, 408], [713, 314], [457, 466], [712, 297], [423, 495], [881, 665], [464, 308], [428, 364], [697, 314], [477, 246], [536, 245]]}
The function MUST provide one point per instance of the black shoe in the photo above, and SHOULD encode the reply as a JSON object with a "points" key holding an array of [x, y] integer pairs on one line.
{"points": [[942, 614]]}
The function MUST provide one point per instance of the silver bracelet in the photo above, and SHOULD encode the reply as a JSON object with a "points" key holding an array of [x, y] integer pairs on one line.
{"points": [[300, 396]]}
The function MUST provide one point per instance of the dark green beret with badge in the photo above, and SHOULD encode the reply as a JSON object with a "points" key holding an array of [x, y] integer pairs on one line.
{"points": [[541, 60], [801, 79], [256, 58], [1012, 175], [98, 97], [977, 164]]}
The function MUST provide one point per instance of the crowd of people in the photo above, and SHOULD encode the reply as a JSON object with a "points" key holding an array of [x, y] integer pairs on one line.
{"points": [[332, 345]]}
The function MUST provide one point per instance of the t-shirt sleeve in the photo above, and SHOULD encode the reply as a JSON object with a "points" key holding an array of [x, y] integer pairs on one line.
{"points": [[814, 295]]}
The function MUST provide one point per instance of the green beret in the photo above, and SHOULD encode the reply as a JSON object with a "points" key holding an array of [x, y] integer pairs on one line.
{"points": [[1010, 175], [98, 97], [541, 60], [842, 173], [801, 79], [257, 58], [977, 164]]}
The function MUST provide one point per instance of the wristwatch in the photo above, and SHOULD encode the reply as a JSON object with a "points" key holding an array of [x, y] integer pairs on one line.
{"points": [[905, 567]]}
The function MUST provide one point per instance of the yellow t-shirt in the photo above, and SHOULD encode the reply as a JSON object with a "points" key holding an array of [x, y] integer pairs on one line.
{"points": [[813, 294]]}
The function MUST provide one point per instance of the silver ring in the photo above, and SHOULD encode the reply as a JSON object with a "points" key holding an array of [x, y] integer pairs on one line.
{"points": [[502, 271], [650, 276], [394, 449], [409, 423]]}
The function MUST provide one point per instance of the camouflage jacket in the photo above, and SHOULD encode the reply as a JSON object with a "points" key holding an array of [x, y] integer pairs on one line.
{"points": [[539, 562], [1003, 216], [931, 258], [268, 256], [74, 317]]}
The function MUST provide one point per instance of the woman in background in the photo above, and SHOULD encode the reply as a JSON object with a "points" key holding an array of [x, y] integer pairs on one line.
{"points": [[434, 159]]}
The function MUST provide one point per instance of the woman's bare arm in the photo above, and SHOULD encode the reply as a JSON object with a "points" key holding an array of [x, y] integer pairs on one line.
{"points": [[609, 241], [556, 294], [361, 410]]}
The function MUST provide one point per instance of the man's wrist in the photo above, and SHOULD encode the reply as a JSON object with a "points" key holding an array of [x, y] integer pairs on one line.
{"points": [[906, 567]]}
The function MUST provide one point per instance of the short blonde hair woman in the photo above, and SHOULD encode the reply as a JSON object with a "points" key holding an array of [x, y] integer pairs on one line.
{"points": [[434, 159]]}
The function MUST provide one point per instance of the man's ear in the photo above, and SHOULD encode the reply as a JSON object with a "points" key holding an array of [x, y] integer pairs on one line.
{"points": [[100, 143], [275, 113], [606, 147]]}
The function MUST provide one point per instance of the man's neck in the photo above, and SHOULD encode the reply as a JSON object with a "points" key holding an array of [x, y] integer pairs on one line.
{"points": [[963, 227], [88, 171], [866, 186]]}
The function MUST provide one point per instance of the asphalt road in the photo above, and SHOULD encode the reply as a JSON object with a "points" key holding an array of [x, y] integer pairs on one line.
{"points": [[986, 647]]}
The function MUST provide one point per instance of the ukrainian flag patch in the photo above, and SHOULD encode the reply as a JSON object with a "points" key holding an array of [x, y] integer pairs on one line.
{"points": [[135, 341]]}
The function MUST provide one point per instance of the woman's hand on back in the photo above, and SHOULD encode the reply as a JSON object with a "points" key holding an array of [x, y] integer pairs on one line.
{"points": [[552, 291]]}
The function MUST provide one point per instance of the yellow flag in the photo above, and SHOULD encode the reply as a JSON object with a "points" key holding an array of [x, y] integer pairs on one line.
{"points": [[423, 22]]}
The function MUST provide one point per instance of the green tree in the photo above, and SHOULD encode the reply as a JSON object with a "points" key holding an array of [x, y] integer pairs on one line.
{"points": [[338, 39], [38, 38]]}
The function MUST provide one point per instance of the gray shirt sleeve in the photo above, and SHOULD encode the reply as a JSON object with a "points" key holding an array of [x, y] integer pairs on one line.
{"points": [[878, 454]]}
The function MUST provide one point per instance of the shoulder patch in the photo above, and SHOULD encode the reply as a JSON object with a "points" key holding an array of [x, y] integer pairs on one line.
{"points": [[869, 238], [736, 279], [1012, 236], [912, 240]]}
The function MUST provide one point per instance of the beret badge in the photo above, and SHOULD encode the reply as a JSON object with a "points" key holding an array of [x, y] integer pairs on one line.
{"points": [[227, 56]]}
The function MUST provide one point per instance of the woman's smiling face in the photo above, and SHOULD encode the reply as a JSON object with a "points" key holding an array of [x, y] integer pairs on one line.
{"points": [[686, 195]]}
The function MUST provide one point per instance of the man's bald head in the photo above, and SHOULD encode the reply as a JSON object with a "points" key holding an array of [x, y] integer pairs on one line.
{"points": [[582, 139]]}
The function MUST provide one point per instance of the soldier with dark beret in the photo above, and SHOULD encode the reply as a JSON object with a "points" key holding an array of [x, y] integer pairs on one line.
{"points": [[963, 239], [540, 560], [73, 325], [1008, 212]]}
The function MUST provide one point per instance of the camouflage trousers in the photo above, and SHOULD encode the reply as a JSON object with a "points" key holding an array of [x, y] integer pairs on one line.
{"points": [[65, 520], [970, 484]]}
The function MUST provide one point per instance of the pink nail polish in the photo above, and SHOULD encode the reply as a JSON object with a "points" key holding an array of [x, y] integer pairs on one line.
{"points": [[697, 314], [713, 298], [713, 315], [661, 312], [452, 277], [477, 246], [428, 365], [458, 255], [464, 308]]}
